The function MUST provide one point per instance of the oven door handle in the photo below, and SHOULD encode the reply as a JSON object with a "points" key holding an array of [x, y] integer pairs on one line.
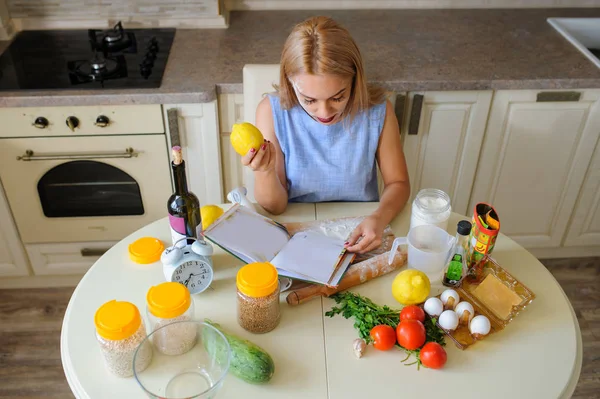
{"points": [[31, 156]]}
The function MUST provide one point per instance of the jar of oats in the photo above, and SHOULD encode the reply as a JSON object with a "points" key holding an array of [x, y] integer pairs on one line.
{"points": [[169, 304], [119, 331], [258, 297]]}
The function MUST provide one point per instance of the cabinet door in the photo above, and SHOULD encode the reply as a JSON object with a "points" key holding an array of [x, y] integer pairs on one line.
{"points": [[13, 261], [195, 126], [231, 110], [442, 138], [585, 223], [534, 160]]}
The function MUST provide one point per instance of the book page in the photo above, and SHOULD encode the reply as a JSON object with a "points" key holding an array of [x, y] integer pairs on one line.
{"points": [[248, 235], [310, 254]]}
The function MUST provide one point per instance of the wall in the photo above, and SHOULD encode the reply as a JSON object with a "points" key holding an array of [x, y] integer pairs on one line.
{"points": [[6, 26], [391, 4]]}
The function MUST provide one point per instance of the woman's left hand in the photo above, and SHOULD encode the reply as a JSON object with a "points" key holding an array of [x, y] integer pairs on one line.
{"points": [[366, 236]]}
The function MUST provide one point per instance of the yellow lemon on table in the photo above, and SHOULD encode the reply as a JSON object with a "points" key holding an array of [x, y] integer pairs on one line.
{"points": [[210, 213], [411, 287], [245, 136]]}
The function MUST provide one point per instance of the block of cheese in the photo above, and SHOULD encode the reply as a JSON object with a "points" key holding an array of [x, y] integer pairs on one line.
{"points": [[496, 296]]}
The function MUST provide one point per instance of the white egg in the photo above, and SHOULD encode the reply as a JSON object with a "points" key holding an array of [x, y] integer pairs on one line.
{"points": [[450, 298], [460, 310], [480, 325], [434, 307], [448, 320]]}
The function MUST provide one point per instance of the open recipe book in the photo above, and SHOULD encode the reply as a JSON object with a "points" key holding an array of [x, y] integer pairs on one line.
{"points": [[307, 255]]}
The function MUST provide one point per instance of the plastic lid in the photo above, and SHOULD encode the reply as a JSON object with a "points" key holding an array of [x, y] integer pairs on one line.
{"points": [[168, 300], [464, 227], [117, 320], [146, 250], [257, 279]]}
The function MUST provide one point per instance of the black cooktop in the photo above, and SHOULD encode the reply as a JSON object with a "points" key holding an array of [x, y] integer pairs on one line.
{"points": [[116, 58]]}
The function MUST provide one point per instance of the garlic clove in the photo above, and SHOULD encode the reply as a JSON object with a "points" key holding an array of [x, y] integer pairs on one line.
{"points": [[359, 347]]}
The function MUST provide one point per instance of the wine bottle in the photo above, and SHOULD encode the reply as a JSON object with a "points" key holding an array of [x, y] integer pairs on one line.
{"points": [[183, 205]]}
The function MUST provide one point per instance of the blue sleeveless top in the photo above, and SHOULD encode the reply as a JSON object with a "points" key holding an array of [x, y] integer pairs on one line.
{"points": [[329, 163]]}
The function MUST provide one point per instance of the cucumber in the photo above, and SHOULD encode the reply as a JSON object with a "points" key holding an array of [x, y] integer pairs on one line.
{"points": [[249, 362]]}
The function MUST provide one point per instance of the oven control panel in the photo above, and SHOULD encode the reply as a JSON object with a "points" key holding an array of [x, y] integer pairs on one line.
{"points": [[81, 120]]}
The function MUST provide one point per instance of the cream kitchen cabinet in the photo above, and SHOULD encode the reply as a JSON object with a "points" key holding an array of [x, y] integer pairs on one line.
{"points": [[584, 229], [442, 135], [13, 260], [195, 128], [537, 150], [231, 110]]}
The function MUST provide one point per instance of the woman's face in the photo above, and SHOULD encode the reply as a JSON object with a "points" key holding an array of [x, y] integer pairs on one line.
{"points": [[323, 97]]}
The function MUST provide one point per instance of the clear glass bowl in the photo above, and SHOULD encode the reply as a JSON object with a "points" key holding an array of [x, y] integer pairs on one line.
{"points": [[197, 373]]}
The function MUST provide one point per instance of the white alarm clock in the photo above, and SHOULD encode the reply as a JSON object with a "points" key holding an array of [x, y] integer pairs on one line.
{"points": [[190, 265]]}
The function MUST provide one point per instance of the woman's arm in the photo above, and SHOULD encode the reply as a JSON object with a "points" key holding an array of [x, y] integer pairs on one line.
{"points": [[392, 165], [270, 188]]}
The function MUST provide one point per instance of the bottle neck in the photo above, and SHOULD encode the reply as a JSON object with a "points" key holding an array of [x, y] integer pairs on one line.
{"points": [[461, 243], [180, 178]]}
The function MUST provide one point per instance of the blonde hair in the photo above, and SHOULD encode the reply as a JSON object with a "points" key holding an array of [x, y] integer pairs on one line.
{"points": [[320, 45]]}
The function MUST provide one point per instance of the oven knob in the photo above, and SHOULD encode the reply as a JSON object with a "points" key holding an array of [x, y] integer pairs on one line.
{"points": [[41, 122], [72, 122], [102, 121]]}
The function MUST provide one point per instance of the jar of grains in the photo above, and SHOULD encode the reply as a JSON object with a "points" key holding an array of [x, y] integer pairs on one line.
{"points": [[170, 303], [119, 331], [258, 297], [431, 206]]}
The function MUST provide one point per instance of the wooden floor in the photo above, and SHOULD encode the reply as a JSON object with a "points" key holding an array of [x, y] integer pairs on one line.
{"points": [[30, 323]]}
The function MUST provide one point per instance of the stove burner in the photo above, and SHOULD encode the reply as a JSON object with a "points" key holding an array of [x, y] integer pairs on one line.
{"points": [[114, 40], [97, 69]]}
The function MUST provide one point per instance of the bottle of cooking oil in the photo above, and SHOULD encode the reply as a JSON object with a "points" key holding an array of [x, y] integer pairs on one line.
{"points": [[457, 266]]}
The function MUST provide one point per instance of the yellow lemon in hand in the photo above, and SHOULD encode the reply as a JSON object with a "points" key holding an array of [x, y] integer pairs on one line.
{"points": [[245, 136], [209, 213], [411, 287]]}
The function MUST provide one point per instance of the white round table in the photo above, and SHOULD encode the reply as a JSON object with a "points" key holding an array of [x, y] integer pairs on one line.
{"points": [[537, 356]]}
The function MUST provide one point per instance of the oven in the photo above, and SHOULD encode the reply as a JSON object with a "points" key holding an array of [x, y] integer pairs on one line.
{"points": [[83, 175]]}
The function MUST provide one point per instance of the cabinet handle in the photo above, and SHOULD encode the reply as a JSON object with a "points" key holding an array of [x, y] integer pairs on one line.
{"points": [[399, 109], [415, 114], [173, 122], [30, 155], [555, 96], [89, 252]]}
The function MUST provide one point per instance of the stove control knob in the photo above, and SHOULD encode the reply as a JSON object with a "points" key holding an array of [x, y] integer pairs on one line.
{"points": [[102, 121], [41, 122], [72, 122]]}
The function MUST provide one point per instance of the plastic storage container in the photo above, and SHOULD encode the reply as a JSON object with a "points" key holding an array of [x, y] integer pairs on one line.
{"points": [[119, 331], [258, 297], [168, 303], [431, 206]]}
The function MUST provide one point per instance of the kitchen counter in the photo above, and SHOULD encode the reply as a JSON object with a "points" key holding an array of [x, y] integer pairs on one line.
{"points": [[404, 50]]}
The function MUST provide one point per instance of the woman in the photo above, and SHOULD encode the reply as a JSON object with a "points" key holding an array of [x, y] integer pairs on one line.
{"points": [[325, 129]]}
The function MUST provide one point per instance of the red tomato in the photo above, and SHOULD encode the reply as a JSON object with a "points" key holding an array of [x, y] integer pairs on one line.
{"points": [[433, 355], [412, 312], [384, 337], [411, 334]]}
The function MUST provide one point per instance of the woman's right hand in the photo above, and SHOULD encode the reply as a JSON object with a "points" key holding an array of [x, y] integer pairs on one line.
{"points": [[262, 160]]}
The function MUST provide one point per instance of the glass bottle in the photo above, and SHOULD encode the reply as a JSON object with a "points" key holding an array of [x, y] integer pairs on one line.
{"points": [[183, 205], [457, 266]]}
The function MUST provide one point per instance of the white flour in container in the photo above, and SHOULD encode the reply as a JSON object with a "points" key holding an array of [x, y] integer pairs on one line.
{"points": [[431, 207]]}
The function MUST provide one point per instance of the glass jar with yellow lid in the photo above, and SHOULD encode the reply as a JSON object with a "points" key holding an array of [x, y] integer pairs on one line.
{"points": [[258, 290], [171, 304], [119, 331]]}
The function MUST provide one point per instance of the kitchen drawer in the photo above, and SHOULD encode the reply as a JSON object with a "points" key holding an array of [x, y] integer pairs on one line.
{"points": [[70, 258], [122, 119]]}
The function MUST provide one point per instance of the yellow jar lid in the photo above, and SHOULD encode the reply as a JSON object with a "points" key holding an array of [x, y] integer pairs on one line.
{"points": [[117, 320], [257, 279], [146, 250], [168, 300]]}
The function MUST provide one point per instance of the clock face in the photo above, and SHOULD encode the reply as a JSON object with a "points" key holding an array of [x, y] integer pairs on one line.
{"points": [[196, 275]]}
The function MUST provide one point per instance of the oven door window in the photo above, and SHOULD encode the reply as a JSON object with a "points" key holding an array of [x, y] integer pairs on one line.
{"points": [[89, 188]]}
